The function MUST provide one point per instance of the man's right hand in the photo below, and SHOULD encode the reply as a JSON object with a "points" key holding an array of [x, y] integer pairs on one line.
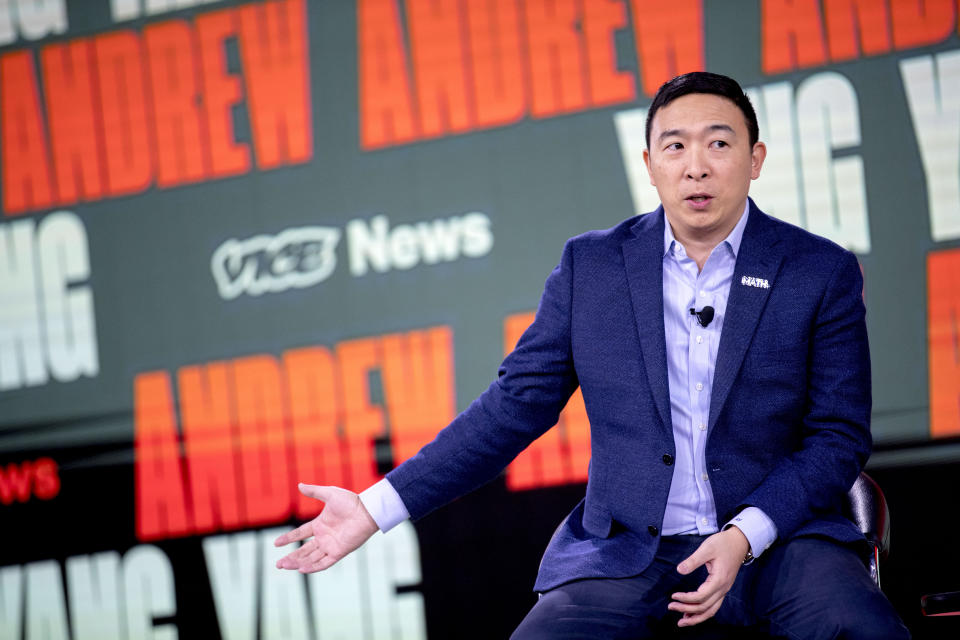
{"points": [[342, 526]]}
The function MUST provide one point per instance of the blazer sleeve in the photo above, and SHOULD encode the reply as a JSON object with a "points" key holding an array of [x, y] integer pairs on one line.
{"points": [[835, 436], [533, 385]]}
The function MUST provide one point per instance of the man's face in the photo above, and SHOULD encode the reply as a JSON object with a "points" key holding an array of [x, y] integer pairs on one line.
{"points": [[701, 162]]}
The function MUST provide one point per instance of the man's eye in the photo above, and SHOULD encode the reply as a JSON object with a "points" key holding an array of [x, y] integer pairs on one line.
{"points": [[720, 143], [676, 146]]}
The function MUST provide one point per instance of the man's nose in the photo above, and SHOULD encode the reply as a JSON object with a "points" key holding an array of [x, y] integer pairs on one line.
{"points": [[697, 167]]}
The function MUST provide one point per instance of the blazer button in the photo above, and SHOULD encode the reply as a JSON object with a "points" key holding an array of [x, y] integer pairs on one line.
{"points": [[667, 459], [653, 530]]}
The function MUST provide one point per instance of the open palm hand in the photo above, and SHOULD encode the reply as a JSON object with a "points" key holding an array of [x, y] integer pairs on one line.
{"points": [[342, 526]]}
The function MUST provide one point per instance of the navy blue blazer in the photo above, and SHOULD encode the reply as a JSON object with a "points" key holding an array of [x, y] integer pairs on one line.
{"points": [[789, 413]]}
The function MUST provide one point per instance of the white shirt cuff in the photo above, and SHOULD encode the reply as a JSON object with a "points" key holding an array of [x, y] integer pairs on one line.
{"points": [[757, 527], [384, 505]]}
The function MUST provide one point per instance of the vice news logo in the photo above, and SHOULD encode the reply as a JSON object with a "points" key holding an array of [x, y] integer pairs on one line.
{"points": [[301, 257], [294, 258]]}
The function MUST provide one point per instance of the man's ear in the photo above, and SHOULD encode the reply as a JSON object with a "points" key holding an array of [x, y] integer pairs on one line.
{"points": [[646, 161], [757, 156]]}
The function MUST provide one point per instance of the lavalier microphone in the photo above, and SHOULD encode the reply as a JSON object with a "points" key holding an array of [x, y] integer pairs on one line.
{"points": [[704, 316]]}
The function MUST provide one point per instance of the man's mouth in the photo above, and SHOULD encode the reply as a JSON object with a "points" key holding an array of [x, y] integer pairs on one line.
{"points": [[699, 200]]}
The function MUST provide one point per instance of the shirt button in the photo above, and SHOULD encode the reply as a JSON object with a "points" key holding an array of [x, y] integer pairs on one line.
{"points": [[703, 427], [653, 530], [667, 459], [699, 386], [699, 339], [705, 476], [703, 521]]}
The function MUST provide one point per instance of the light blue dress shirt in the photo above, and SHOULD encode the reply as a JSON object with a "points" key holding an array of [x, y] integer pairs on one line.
{"points": [[691, 359], [691, 355]]}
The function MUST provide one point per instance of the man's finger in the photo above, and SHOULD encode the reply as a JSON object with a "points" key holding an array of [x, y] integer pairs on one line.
{"points": [[313, 558], [707, 588], [324, 563], [696, 559], [293, 559], [697, 606], [306, 549], [690, 620], [287, 562], [316, 491], [690, 597], [300, 533]]}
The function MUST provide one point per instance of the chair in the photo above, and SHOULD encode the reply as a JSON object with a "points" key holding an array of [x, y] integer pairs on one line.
{"points": [[867, 508]]}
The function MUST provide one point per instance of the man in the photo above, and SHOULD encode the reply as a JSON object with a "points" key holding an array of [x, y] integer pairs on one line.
{"points": [[724, 366]]}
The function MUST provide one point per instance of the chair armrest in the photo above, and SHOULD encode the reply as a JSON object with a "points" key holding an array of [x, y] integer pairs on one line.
{"points": [[941, 604]]}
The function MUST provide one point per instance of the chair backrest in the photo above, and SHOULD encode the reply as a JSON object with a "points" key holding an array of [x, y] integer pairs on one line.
{"points": [[867, 507]]}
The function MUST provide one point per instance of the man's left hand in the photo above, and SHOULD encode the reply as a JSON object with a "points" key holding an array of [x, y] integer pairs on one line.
{"points": [[722, 554]]}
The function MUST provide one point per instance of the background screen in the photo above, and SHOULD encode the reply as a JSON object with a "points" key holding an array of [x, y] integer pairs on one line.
{"points": [[247, 244]]}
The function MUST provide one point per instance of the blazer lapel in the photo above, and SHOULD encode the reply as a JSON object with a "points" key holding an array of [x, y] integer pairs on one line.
{"points": [[758, 258], [643, 260]]}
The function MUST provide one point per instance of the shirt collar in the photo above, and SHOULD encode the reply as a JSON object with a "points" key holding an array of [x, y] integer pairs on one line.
{"points": [[733, 240]]}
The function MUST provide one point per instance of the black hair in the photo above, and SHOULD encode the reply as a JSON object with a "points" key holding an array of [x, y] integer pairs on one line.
{"points": [[705, 82]]}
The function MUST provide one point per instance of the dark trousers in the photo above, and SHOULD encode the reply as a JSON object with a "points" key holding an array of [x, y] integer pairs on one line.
{"points": [[806, 589]]}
